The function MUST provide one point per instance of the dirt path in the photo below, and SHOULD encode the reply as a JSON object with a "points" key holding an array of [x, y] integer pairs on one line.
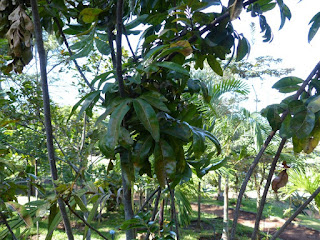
{"points": [[269, 225]]}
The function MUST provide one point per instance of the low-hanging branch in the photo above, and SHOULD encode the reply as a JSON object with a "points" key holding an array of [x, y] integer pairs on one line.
{"points": [[84, 221], [266, 188], [263, 148]]}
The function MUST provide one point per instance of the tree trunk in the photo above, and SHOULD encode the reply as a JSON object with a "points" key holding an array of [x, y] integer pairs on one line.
{"points": [[225, 234], [127, 197], [220, 193], [47, 114], [199, 205]]}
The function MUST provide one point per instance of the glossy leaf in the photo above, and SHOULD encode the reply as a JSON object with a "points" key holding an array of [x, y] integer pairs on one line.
{"points": [[89, 15], [288, 84], [296, 106], [164, 161], [215, 65], [110, 140], [314, 104], [303, 123], [285, 130], [174, 67], [274, 118], [141, 151], [156, 100], [80, 203], [148, 117], [314, 27], [243, 49]]}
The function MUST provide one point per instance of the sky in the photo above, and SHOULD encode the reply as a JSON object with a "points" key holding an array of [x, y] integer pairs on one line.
{"points": [[290, 44]]}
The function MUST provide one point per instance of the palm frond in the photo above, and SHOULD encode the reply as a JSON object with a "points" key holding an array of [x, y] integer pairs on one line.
{"points": [[231, 85]]}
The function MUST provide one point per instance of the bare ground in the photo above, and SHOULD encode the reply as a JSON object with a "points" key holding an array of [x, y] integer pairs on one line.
{"points": [[269, 225]]}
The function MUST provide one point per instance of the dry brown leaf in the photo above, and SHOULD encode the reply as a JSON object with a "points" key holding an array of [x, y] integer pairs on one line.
{"points": [[280, 181]]}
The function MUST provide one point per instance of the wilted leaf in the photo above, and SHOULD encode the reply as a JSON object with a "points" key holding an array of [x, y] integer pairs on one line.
{"points": [[280, 181], [187, 49]]}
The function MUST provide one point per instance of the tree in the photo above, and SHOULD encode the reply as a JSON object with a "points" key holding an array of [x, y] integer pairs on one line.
{"points": [[152, 124]]}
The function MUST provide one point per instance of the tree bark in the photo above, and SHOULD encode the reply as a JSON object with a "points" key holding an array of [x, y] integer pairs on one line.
{"points": [[127, 197], [225, 234], [47, 114], [199, 204]]}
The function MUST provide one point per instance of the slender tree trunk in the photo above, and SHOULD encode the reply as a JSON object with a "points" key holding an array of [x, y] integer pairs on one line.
{"points": [[47, 114], [127, 197], [173, 210], [199, 204], [220, 193], [225, 234]]}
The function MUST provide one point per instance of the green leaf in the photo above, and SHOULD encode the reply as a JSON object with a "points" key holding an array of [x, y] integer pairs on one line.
{"points": [[140, 19], [155, 99], [89, 15], [298, 144], [215, 65], [154, 50], [84, 51], [91, 96], [54, 219], [303, 123], [173, 66], [164, 161], [273, 118], [243, 49], [102, 46], [141, 150], [80, 203], [314, 104], [314, 27], [125, 139], [296, 106], [211, 167], [111, 138], [89, 103], [288, 84], [91, 215], [148, 117], [285, 130]]}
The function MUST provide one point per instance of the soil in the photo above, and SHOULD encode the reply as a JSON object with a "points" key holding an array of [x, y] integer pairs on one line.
{"points": [[269, 225]]}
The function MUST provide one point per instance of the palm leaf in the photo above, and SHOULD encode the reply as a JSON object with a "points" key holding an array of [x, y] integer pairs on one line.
{"points": [[227, 86]]}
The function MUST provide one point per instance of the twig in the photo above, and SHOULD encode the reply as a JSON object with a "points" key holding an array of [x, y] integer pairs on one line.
{"points": [[155, 210], [266, 188], [8, 226], [257, 158], [113, 55], [174, 213], [129, 44], [299, 210], [84, 221], [148, 199]]}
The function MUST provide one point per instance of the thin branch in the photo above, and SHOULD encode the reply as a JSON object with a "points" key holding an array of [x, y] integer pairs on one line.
{"points": [[155, 210], [265, 145], [129, 44], [84, 221], [149, 198], [8, 226], [119, 48], [266, 188], [299, 210]]}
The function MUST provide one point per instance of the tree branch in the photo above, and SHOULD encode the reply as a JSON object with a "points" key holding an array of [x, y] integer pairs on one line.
{"points": [[258, 157], [126, 35], [155, 210], [8, 226], [266, 188], [173, 209], [149, 198], [84, 221], [299, 210], [47, 113]]}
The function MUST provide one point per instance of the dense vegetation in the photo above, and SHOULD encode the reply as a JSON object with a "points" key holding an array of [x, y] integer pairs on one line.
{"points": [[154, 125]]}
